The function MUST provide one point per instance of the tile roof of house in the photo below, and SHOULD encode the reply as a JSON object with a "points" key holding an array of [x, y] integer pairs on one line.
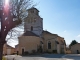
{"points": [[75, 44], [29, 33], [48, 32]]}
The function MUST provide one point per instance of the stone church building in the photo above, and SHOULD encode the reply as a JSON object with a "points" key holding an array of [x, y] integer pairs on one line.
{"points": [[35, 39]]}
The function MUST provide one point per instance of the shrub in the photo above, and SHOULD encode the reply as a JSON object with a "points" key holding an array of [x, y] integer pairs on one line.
{"points": [[54, 51], [33, 51], [39, 49], [48, 52], [26, 52]]}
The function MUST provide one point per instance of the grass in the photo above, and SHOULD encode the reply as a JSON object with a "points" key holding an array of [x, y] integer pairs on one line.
{"points": [[3, 58]]}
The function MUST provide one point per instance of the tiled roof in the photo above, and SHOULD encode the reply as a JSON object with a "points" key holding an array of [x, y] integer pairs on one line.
{"points": [[76, 44], [29, 33], [48, 32]]}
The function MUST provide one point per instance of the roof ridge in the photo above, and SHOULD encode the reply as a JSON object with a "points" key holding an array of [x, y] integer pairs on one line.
{"points": [[30, 33]]}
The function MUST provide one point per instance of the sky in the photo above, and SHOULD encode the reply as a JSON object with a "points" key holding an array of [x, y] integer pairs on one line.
{"points": [[61, 17]]}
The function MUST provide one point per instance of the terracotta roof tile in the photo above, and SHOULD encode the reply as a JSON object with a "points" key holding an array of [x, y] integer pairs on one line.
{"points": [[29, 33], [49, 32]]}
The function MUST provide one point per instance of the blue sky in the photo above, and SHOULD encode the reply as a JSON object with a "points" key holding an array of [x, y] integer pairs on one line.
{"points": [[61, 17]]}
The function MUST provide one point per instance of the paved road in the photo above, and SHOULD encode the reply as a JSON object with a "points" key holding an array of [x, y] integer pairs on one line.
{"points": [[72, 56], [45, 57]]}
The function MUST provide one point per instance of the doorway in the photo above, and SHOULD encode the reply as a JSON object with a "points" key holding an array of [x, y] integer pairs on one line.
{"points": [[22, 51], [77, 51]]}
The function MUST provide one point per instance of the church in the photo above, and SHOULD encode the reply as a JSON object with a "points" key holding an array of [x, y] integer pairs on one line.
{"points": [[35, 39]]}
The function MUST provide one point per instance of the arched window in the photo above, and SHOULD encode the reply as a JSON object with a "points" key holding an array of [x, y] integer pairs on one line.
{"points": [[31, 28], [49, 45]]}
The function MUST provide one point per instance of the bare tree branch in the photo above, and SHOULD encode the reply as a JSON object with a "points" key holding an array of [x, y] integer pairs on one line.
{"points": [[19, 8]]}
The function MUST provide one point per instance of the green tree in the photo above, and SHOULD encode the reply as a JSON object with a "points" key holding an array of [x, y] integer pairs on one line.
{"points": [[73, 43]]}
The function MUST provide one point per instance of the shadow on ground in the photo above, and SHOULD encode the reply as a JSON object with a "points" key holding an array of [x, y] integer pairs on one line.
{"points": [[47, 55], [72, 56]]}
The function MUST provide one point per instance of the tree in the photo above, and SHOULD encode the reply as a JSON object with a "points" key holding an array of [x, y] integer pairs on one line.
{"points": [[73, 43], [20, 7], [16, 8]]}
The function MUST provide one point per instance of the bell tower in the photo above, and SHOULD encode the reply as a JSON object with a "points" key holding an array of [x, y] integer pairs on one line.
{"points": [[33, 22]]}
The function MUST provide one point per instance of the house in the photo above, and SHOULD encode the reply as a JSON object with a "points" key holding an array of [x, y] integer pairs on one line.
{"points": [[68, 50], [4, 49], [75, 49], [35, 39], [8, 50], [28, 43], [17, 49], [62, 44], [53, 42]]}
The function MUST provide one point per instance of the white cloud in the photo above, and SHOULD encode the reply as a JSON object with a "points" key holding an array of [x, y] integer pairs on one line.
{"points": [[78, 36], [64, 31]]}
